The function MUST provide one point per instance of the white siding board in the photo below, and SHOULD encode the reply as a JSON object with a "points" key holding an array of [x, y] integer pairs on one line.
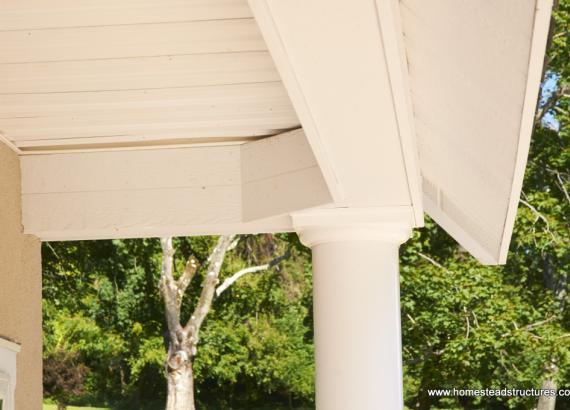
{"points": [[128, 170], [144, 190], [285, 193], [198, 190], [469, 72], [90, 75], [177, 71], [281, 223], [215, 111], [280, 175], [87, 43], [144, 209], [277, 155], [39, 14]]}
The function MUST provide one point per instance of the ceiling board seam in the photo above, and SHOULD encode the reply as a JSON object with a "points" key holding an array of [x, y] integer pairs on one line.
{"points": [[124, 24], [118, 90], [204, 53], [120, 190]]}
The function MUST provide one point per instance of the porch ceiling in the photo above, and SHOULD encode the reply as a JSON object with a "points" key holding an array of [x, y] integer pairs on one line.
{"points": [[85, 74]]}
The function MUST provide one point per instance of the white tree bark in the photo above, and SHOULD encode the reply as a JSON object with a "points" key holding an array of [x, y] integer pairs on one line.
{"points": [[183, 341], [235, 277]]}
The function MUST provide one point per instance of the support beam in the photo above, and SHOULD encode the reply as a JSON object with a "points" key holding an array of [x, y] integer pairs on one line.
{"points": [[280, 175], [356, 305], [249, 188]]}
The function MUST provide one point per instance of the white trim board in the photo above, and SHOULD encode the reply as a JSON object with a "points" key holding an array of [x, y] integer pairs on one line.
{"points": [[350, 94], [248, 188], [8, 344], [474, 98]]}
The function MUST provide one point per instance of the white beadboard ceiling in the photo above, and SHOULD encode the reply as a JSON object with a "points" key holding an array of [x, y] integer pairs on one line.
{"points": [[87, 74]]}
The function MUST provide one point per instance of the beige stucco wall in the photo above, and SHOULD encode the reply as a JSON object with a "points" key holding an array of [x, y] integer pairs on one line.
{"points": [[20, 286]]}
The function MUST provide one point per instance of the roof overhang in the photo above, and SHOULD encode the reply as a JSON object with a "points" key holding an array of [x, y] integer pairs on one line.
{"points": [[183, 119]]}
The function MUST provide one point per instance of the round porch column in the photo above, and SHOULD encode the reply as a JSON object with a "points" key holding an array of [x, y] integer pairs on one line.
{"points": [[356, 308]]}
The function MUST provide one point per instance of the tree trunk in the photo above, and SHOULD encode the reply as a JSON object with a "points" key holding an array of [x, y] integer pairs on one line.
{"points": [[547, 402], [61, 406], [180, 382]]}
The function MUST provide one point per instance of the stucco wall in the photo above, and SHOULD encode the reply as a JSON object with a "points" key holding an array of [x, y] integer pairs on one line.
{"points": [[20, 286]]}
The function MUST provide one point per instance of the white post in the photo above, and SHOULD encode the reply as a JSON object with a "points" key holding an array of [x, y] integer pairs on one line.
{"points": [[356, 306]]}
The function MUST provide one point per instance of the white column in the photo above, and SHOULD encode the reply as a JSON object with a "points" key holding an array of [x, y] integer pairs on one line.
{"points": [[356, 305]]}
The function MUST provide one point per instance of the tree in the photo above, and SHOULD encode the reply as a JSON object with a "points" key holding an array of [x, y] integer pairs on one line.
{"points": [[102, 301], [183, 339], [64, 377]]}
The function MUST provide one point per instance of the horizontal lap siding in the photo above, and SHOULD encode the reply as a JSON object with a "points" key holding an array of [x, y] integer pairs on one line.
{"points": [[90, 73], [151, 114], [116, 190], [39, 14], [92, 43]]}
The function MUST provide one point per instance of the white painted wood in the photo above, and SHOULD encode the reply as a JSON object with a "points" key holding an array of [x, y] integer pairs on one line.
{"points": [[8, 367], [276, 155], [112, 192], [357, 304], [9, 345], [127, 170], [138, 73], [271, 34], [269, 225], [347, 109], [395, 54], [9, 144], [122, 41], [471, 92], [280, 175], [245, 188], [38, 14], [91, 75], [122, 143], [142, 115], [355, 252], [118, 212], [534, 76]]}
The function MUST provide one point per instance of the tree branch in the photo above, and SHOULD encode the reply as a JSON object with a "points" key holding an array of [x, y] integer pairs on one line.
{"points": [[549, 104], [433, 261], [169, 290], [539, 216], [232, 279], [208, 288], [186, 277], [561, 185]]}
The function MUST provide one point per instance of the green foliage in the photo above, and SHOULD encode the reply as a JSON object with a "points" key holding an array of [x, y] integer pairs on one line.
{"points": [[101, 301]]}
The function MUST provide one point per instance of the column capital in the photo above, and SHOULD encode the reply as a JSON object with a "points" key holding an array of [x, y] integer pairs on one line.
{"points": [[325, 225]]}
